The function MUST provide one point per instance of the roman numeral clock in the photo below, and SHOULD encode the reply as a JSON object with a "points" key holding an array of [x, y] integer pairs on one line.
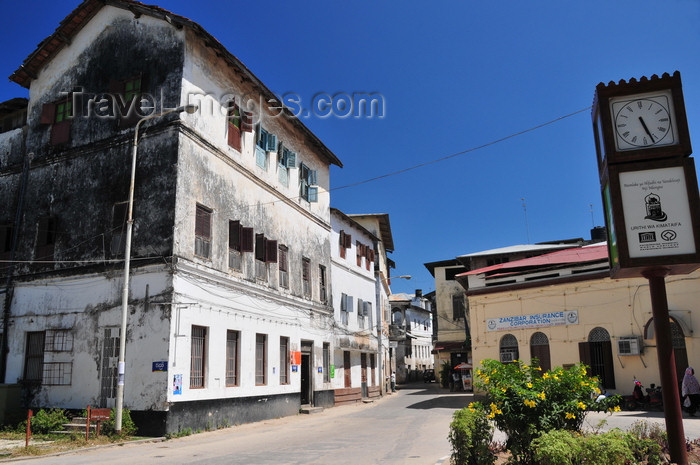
{"points": [[648, 181]]}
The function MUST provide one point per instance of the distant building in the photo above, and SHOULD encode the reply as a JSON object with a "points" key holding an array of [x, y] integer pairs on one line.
{"points": [[563, 308], [411, 333]]}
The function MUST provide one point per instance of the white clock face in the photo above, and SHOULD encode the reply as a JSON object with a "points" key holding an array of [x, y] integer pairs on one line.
{"points": [[643, 121]]}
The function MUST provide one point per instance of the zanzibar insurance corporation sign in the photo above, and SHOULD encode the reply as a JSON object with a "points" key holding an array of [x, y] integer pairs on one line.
{"points": [[536, 320]]}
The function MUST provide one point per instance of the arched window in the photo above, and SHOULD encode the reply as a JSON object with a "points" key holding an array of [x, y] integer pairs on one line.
{"points": [[680, 354], [508, 348], [539, 349], [597, 355]]}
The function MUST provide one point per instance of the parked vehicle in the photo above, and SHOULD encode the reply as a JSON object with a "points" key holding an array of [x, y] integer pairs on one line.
{"points": [[428, 375], [652, 400]]}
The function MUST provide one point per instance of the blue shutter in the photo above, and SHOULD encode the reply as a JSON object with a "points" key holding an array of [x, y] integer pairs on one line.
{"points": [[349, 304], [313, 194], [291, 159], [313, 177], [271, 142]]}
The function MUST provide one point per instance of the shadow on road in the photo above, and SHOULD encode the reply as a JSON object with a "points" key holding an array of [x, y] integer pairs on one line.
{"points": [[453, 402]]}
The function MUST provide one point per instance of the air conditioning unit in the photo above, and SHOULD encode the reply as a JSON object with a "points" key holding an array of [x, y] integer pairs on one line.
{"points": [[629, 345], [506, 357]]}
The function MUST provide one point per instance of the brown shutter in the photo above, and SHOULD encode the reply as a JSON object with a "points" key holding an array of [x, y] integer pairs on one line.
{"points": [[234, 235], [260, 247], [60, 133], [271, 251], [348, 241], [48, 113], [584, 353], [247, 240], [608, 366], [234, 137], [202, 226], [246, 121], [342, 238]]}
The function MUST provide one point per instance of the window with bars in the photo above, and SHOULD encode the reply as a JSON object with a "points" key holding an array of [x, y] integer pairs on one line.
{"points": [[58, 340], [283, 266], [322, 295], [57, 373], [260, 359], [284, 360], [232, 357], [198, 357], [306, 277], [202, 231]]}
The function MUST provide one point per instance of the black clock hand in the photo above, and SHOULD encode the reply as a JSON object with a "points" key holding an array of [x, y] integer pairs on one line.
{"points": [[644, 125]]}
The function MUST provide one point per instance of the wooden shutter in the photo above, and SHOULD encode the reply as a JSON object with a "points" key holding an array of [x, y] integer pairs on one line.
{"points": [[608, 366], [291, 159], [584, 353], [349, 304], [246, 121], [234, 137], [60, 133], [234, 235], [313, 194], [260, 247], [343, 303], [271, 251], [48, 113], [283, 260], [247, 240], [202, 226]]}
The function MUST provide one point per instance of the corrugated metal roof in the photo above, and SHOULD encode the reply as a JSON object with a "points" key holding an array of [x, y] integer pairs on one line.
{"points": [[591, 253], [518, 248]]}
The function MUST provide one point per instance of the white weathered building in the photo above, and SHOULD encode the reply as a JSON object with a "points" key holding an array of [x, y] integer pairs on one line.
{"points": [[356, 341], [411, 329], [229, 309]]}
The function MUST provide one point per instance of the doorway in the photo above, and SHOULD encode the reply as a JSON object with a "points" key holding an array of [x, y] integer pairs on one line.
{"points": [[306, 366]]}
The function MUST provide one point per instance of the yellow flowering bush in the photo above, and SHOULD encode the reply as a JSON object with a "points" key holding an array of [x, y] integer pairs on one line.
{"points": [[525, 401]]}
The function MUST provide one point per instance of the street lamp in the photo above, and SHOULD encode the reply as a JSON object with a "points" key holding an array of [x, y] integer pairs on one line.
{"points": [[127, 261]]}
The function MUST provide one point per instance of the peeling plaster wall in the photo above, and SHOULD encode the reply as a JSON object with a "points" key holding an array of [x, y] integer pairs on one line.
{"points": [[359, 283], [87, 304]]}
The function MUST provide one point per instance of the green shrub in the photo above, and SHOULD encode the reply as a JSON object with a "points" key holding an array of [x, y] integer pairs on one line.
{"points": [[470, 437], [557, 447], [45, 421], [445, 375], [524, 401], [615, 447], [128, 426]]}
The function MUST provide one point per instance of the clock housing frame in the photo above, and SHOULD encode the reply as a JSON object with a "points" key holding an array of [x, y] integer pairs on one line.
{"points": [[604, 123]]}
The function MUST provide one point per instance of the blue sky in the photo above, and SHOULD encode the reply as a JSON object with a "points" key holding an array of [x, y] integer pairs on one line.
{"points": [[454, 76]]}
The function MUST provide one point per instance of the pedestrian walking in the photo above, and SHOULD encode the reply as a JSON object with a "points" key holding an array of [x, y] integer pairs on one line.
{"points": [[690, 388], [393, 381]]}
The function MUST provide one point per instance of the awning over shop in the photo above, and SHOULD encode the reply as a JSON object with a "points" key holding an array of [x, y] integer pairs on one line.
{"points": [[449, 346], [464, 366]]}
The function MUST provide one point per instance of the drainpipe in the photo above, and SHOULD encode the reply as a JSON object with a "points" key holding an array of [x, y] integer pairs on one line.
{"points": [[11, 269]]}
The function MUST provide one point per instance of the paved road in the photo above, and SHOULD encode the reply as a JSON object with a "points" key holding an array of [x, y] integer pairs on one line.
{"points": [[409, 427]]}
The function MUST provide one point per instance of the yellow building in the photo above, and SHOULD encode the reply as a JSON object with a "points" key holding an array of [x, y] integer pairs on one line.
{"points": [[563, 308]]}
